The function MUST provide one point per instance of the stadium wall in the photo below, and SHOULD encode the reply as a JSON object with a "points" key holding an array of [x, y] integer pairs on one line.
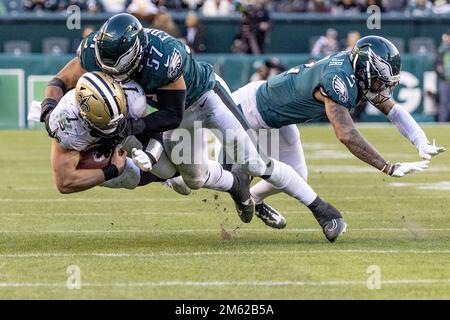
{"points": [[290, 33], [23, 79]]}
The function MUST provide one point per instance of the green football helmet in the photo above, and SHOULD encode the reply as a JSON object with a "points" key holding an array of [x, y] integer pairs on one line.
{"points": [[120, 45], [377, 66]]}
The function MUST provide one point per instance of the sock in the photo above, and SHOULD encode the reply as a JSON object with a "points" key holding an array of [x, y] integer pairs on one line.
{"points": [[323, 211], [218, 179], [262, 190], [285, 178]]}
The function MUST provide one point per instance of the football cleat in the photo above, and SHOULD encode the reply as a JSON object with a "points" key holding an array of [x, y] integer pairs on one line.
{"points": [[240, 193], [329, 218], [177, 184], [334, 228], [270, 216]]}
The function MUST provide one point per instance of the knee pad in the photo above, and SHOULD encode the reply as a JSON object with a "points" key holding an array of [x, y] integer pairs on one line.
{"points": [[129, 179]]}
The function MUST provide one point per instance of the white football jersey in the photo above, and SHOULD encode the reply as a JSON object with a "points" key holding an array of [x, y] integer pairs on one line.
{"points": [[72, 132]]}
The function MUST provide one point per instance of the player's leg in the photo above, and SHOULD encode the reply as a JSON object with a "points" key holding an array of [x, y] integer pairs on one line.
{"points": [[290, 151], [200, 172], [188, 150], [281, 175]]}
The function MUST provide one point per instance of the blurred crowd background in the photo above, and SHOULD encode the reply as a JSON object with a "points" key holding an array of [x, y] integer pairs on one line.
{"points": [[228, 7], [253, 28]]}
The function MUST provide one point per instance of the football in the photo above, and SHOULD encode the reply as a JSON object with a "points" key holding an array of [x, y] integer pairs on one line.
{"points": [[93, 159]]}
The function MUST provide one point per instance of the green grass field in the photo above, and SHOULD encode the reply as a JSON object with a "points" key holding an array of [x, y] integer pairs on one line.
{"points": [[151, 243]]}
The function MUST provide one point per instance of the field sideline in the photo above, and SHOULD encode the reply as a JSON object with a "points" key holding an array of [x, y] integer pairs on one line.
{"points": [[151, 243]]}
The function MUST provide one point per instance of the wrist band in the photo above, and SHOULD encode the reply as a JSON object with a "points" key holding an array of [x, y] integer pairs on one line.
{"points": [[47, 106], [388, 168], [384, 167], [56, 82], [110, 172]]}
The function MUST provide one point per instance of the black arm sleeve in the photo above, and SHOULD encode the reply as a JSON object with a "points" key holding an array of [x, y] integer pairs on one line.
{"points": [[171, 105]]}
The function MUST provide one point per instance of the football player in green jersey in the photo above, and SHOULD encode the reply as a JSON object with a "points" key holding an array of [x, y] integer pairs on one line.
{"points": [[331, 87], [187, 93]]}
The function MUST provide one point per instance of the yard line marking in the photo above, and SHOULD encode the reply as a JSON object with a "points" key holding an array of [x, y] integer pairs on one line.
{"points": [[214, 253], [443, 185], [249, 283], [305, 230], [99, 200], [107, 214], [361, 169]]}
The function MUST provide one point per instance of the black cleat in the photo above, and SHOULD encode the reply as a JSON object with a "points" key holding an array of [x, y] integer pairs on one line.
{"points": [[329, 218], [270, 216], [240, 192], [334, 228]]}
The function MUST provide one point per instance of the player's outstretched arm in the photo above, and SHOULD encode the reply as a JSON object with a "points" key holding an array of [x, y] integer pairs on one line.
{"points": [[65, 80], [69, 179], [346, 132], [410, 129]]}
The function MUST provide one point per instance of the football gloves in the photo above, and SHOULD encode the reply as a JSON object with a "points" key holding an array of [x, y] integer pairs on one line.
{"points": [[428, 150], [403, 168], [141, 159]]}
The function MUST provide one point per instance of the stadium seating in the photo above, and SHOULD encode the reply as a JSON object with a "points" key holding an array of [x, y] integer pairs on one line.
{"points": [[55, 45], [17, 47], [422, 45]]}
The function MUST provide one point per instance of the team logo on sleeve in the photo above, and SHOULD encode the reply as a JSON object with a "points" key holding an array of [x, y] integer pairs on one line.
{"points": [[340, 88], [174, 64]]}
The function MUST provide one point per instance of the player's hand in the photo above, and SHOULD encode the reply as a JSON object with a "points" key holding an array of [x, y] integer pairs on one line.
{"points": [[119, 158], [141, 159], [428, 150], [401, 169]]}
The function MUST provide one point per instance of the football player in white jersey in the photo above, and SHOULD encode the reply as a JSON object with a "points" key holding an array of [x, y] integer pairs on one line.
{"points": [[93, 116]]}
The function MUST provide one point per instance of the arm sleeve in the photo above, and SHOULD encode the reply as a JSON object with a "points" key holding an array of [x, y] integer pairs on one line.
{"points": [[171, 108], [407, 126]]}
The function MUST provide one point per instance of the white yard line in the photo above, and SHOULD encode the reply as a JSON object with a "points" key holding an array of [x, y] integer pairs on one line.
{"points": [[217, 253], [249, 283], [107, 214], [102, 200], [305, 230]]}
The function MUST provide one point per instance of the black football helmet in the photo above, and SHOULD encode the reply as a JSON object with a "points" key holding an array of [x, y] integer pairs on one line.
{"points": [[120, 45], [377, 66]]}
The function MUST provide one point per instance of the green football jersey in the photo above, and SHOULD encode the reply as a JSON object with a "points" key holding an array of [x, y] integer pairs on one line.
{"points": [[288, 98], [166, 59]]}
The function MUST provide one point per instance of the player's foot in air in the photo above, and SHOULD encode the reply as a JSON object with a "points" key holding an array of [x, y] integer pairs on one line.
{"points": [[270, 216], [329, 218], [177, 184], [240, 193]]}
